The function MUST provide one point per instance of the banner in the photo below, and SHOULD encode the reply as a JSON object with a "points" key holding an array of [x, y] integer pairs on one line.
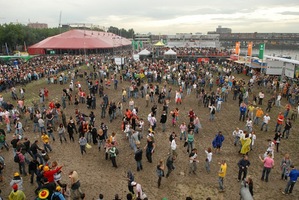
{"points": [[261, 51], [237, 51], [249, 50]]}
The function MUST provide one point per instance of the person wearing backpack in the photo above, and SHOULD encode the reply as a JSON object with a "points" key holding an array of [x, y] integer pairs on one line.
{"points": [[212, 112], [20, 159], [57, 195]]}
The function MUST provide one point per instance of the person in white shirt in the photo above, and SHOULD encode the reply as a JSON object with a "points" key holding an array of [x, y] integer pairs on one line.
{"points": [[249, 124], [236, 133], [278, 99], [253, 138], [193, 161], [173, 147], [266, 120], [208, 159], [139, 193]]}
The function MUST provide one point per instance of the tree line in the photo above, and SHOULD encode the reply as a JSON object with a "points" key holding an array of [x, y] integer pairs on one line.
{"points": [[18, 36]]}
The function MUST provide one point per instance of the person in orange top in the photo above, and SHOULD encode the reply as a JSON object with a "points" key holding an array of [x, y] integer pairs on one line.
{"points": [[258, 115], [279, 123], [129, 114]]}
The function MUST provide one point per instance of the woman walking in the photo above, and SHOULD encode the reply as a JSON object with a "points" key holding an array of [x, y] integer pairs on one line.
{"points": [[82, 142], [61, 132], [160, 172]]}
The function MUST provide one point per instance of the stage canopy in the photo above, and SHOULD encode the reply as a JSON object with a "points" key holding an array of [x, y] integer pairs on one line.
{"points": [[79, 39], [170, 52], [144, 52], [159, 44]]}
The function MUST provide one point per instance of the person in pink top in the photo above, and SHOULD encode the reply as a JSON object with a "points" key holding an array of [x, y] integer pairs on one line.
{"points": [[268, 165]]}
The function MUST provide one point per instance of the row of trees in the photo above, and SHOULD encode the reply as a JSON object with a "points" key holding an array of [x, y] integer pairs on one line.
{"points": [[15, 36]]}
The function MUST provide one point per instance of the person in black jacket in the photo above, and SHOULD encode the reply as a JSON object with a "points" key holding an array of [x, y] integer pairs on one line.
{"points": [[287, 128], [32, 168], [163, 120], [169, 164], [138, 158], [243, 165], [34, 150]]}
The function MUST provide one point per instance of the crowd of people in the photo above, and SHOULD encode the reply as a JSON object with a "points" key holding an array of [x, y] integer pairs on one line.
{"points": [[160, 85]]}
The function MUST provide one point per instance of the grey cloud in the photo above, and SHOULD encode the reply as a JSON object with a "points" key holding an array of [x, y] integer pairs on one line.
{"points": [[289, 13]]}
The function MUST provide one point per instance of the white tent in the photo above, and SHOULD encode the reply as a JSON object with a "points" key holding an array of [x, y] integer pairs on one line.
{"points": [[170, 52], [144, 52]]}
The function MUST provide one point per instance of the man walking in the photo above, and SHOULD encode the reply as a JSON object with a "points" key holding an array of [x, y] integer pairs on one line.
{"points": [[294, 174], [243, 165], [138, 158]]}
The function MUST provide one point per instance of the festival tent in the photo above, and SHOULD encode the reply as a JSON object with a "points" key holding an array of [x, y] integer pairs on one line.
{"points": [[79, 39], [144, 52], [159, 44], [170, 55], [170, 52]]}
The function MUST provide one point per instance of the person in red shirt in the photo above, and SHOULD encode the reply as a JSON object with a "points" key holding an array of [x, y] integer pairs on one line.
{"points": [[191, 115], [46, 93], [279, 123], [51, 105], [49, 174]]}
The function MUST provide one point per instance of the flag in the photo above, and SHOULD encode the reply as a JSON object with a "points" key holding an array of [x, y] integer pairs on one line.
{"points": [[261, 51], [237, 51], [140, 44], [6, 49], [249, 51], [135, 44], [25, 47]]}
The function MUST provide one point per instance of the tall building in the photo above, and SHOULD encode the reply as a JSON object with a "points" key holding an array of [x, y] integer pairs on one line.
{"points": [[220, 30], [37, 25]]}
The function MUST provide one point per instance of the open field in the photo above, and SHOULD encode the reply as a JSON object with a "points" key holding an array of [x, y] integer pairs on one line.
{"points": [[97, 175]]}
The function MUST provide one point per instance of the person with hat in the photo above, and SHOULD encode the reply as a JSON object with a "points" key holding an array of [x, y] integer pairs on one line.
{"points": [[16, 194], [47, 189], [139, 193], [49, 174], [57, 195], [17, 179]]}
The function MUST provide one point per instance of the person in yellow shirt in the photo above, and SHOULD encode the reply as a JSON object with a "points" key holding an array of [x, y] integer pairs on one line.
{"points": [[250, 109], [258, 115], [222, 174], [46, 139]]}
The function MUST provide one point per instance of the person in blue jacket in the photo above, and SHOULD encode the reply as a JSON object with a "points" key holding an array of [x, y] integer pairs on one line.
{"points": [[217, 142], [294, 174]]}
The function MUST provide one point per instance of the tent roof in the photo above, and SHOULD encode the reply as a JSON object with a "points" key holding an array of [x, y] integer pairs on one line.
{"points": [[82, 39], [170, 52], [159, 44], [144, 52]]}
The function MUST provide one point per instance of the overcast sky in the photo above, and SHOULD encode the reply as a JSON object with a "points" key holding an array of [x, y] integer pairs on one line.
{"points": [[160, 16]]}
